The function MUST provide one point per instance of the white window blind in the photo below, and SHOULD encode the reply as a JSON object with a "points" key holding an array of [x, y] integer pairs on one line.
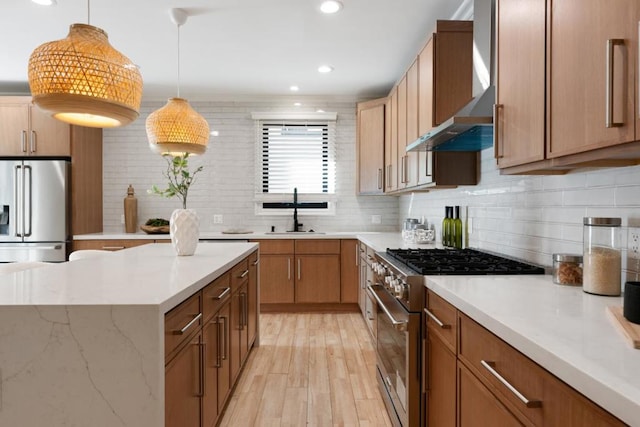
{"points": [[297, 154]]}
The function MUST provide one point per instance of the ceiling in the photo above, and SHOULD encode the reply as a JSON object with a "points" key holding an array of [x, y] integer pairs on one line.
{"points": [[231, 48]]}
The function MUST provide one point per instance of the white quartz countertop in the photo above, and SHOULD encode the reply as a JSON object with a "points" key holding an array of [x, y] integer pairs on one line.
{"points": [[563, 329], [216, 235], [145, 275]]}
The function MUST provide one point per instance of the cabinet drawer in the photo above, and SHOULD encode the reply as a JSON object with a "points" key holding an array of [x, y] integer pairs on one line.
{"points": [[317, 247], [180, 323], [489, 358], [438, 310], [275, 247], [215, 294], [239, 274], [109, 245]]}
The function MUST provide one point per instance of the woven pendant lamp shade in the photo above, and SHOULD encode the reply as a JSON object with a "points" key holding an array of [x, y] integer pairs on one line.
{"points": [[84, 81], [176, 129]]}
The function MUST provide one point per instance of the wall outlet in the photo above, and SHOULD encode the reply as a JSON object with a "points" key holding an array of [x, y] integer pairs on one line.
{"points": [[217, 219], [376, 219], [633, 243]]}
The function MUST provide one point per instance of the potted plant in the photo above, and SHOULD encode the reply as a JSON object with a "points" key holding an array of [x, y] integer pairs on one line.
{"points": [[184, 223]]}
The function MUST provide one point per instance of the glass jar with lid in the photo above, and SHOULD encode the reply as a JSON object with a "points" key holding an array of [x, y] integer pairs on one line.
{"points": [[602, 262], [567, 269]]}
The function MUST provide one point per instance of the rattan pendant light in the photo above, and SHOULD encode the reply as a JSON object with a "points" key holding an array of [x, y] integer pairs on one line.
{"points": [[176, 128], [84, 81]]}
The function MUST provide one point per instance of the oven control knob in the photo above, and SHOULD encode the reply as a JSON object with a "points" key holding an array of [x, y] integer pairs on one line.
{"points": [[388, 279]]}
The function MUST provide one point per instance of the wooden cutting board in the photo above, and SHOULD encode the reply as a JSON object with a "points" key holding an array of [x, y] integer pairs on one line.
{"points": [[631, 331]]}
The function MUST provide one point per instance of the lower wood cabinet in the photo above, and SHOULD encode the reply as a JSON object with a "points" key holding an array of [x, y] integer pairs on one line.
{"points": [[206, 345], [466, 369], [314, 272]]}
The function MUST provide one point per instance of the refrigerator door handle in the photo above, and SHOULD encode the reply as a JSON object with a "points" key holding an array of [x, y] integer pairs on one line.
{"points": [[17, 200], [28, 199]]}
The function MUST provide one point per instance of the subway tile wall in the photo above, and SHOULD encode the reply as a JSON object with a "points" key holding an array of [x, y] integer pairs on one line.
{"points": [[226, 186], [533, 217]]}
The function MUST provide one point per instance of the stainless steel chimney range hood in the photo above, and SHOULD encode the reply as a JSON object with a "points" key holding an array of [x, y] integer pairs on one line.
{"points": [[471, 128]]}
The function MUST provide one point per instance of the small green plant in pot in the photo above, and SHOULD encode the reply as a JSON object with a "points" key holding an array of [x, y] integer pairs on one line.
{"points": [[184, 224]]}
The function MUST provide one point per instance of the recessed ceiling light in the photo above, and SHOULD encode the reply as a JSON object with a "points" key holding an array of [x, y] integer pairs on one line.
{"points": [[297, 104], [294, 88], [330, 6], [45, 2], [325, 69]]}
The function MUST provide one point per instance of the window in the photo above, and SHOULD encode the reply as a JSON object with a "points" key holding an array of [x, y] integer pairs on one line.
{"points": [[295, 153]]}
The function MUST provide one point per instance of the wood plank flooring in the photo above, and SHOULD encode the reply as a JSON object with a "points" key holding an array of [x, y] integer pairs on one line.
{"points": [[311, 369]]}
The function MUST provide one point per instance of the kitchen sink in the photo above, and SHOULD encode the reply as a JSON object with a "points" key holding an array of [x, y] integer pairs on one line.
{"points": [[293, 232]]}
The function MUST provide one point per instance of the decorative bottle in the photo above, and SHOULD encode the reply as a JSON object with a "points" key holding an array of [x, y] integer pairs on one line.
{"points": [[446, 227], [457, 229], [130, 211]]}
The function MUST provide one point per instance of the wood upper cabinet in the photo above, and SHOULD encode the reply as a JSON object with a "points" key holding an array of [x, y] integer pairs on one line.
{"points": [[25, 130], [592, 49], [370, 137], [566, 85], [411, 162], [519, 122], [391, 155], [402, 132], [86, 180]]}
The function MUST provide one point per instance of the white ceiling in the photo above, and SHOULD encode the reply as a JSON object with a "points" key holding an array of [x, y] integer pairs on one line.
{"points": [[237, 47]]}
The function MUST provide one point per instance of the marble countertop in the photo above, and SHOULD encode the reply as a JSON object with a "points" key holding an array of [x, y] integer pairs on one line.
{"points": [[145, 275], [561, 328]]}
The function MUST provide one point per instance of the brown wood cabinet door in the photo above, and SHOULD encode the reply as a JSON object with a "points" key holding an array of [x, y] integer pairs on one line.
{"points": [[441, 383], [519, 121], [224, 370], [412, 124], [235, 330], [371, 132], [48, 136], [183, 386], [317, 278], [244, 320], [349, 257], [477, 406], [211, 336], [402, 133], [14, 128], [581, 32], [391, 145], [276, 279], [252, 297]]}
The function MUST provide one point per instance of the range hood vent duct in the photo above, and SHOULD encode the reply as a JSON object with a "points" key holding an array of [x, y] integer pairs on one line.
{"points": [[471, 128]]}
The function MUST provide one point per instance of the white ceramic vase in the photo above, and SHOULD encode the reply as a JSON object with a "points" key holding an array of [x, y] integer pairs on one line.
{"points": [[184, 227]]}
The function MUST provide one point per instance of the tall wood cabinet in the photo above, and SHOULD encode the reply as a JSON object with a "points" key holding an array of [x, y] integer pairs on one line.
{"points": [[25, 130], [567, 92], [370, 138], [392, 155]]}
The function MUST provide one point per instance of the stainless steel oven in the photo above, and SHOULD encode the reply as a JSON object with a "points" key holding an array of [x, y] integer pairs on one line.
{"points": [[398, 290]]}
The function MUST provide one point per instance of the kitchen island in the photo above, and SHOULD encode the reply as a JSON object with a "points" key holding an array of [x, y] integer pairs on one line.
{"points": [[82, 343]]}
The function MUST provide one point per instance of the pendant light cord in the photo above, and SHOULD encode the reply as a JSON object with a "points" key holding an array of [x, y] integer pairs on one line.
{"points": [[88, 12], [178, 61]]}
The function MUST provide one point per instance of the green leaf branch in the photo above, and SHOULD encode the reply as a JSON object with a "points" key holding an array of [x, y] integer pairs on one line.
{"points": [[179, 177]]}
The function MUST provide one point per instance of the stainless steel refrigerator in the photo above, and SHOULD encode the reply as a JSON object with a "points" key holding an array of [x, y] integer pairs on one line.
{"points": [[34, 209]]}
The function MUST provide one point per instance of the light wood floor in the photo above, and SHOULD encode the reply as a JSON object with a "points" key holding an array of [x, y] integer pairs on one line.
{"points": [[310, 369]]}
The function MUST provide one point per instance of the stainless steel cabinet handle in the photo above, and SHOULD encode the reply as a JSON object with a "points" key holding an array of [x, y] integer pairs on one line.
{"points": [[244, 274], [222, 294], [17, 171], [256, 262], [203, 372], [425, 386], [400, 325], [357, 256], [497, 147], [112, 248], [224, 338], [188, 325], [24, 141], [489, 366], [243, 304], [219, 343], [402, 170], [246, 309], [388, 381], [406, 167], [28, 202], [33, 144], [379, 178], [609, 82], [288, 268], [435, 319], [298, 268]]}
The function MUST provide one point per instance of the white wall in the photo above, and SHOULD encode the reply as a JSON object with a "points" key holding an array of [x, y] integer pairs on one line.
{"points": [[226, 185], [533, 217]]}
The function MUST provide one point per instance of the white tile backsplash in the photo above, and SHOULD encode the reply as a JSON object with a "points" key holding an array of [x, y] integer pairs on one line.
{"points": [[533, 217], [226, 185]]}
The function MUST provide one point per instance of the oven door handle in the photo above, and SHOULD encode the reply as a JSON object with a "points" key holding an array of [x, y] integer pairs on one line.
{"points": [[400, 325]]}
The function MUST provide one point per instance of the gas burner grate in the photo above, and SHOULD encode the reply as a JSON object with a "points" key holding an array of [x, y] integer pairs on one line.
{"points": [[460, 261]]}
